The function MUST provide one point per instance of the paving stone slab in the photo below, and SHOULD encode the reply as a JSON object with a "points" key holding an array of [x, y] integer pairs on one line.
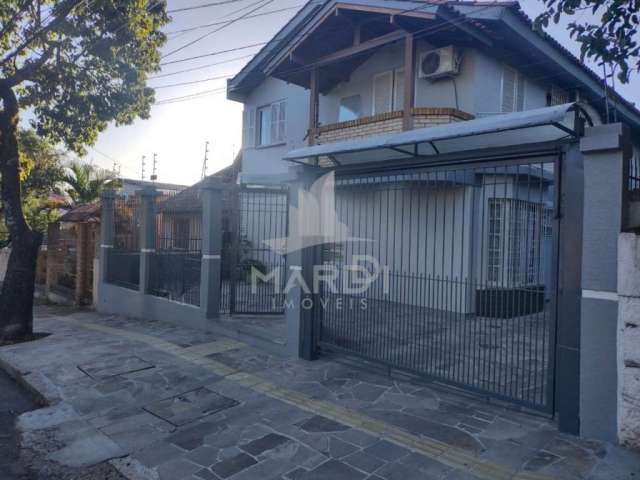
{"points": [[233, 465], [319, 424], [363, 461], [190, 406], [115, 366], [387, 451], [333, 470], [88, 451], [261, 445]]}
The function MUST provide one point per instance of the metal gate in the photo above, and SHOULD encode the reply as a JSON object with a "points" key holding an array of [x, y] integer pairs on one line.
{"points": [[459, 264], [253, 273]]}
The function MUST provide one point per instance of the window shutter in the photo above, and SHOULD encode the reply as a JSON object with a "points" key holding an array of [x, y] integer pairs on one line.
{"points": [[508, 89], [282, 122], [274, 122], [382, 92], [249, 120], [521, 88], [398, 90]]}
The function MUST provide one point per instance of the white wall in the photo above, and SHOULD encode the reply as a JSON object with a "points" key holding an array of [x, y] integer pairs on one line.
{"points": [[629, 311], [267, 160]]}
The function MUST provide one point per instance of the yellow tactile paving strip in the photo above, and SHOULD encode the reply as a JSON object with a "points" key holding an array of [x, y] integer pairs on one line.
{"points": [[441, 452]]}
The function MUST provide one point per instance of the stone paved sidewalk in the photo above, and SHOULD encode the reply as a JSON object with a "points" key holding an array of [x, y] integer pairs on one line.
{"points": [[171, 403]]}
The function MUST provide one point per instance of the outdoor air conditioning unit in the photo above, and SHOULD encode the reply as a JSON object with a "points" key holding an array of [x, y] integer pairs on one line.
{"points": [[440, 63]]}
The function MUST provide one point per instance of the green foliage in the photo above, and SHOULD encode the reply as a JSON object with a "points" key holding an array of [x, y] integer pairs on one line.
{"points": [[87, 68], [611, 38], [41, 171], [86, 182]]}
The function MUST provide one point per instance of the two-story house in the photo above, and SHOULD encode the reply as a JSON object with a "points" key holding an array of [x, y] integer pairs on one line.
{"points": [[449, 128]]}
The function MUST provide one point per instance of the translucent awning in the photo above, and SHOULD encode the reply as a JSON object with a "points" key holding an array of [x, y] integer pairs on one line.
{"points": [[519, 128]]}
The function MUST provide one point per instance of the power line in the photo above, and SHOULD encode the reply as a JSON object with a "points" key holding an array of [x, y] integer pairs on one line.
{"points": [[206, 5], [213, 54], [206, 25], [193, 82], [260, 4], [200, 68], [190, 97]]}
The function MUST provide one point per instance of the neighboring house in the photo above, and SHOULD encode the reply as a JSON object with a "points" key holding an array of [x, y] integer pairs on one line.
{"points": [[129, 186], [181, 214]]}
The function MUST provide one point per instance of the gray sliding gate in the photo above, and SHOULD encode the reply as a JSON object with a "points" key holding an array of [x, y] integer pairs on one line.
{"points": [[466, 262], [257, 215]]}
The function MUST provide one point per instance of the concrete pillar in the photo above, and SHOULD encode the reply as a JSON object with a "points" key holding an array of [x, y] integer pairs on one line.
{"points": [[53, 237], [106, 232], [303, 310], [82, 262], [211, 194], [606, 151], [147, 234]]}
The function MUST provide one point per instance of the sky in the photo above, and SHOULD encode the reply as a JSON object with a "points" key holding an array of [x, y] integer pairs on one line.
{"points": [[178, 129]]}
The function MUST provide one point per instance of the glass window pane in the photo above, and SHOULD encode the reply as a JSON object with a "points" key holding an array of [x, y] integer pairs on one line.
{"points": [[350, 108]]}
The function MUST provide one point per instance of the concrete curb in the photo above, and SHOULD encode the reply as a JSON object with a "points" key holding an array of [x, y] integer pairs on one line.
{"points": [[40, 390], [33, 382]]}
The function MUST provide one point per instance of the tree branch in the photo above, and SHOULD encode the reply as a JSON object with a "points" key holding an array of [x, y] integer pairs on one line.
{"points": [[65, 10], [16, 16]]}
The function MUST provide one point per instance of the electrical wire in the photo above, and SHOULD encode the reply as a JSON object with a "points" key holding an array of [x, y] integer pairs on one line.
{"points": [[206, 5], [260, 4], [187, 70], [193, 82]]}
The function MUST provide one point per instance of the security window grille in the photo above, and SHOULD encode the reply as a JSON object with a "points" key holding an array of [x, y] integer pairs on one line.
{"points": [[181, 233], [494, 244], [557, 96], [271, 124], [513, 90], [517, 233]]}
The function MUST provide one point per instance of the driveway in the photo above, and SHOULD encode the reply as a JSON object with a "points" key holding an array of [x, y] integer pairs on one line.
{"points": [[159, 401]]}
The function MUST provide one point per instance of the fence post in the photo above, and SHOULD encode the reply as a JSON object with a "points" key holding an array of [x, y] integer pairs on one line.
{"points": [[302, 309], [212, 189], [106, 231], [147, 234], [606, 150]]}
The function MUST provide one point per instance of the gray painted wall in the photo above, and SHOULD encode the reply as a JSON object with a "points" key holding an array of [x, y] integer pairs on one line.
{"points": [[476, 90]]}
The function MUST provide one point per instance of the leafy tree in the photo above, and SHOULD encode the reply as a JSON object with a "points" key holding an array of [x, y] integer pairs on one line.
{"points": [[612, 37], [77, 65], [41, 170], [86, 182]]}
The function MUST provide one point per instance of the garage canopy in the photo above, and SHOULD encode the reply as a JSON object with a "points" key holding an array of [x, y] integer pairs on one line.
{"points": [[519, 128]]}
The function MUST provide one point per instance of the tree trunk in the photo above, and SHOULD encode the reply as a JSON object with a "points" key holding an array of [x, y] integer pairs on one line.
{"points": [[16, 297]]}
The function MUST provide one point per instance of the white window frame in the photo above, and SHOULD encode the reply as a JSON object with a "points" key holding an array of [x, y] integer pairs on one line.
{"points": [[373, 99], [519, 83], [276, 126]]}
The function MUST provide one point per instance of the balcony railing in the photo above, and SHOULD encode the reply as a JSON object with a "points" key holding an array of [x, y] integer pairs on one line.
{"points": [[390, 122]]}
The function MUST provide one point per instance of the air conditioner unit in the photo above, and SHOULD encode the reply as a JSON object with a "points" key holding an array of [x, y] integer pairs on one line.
{"points": [[440, 63]]}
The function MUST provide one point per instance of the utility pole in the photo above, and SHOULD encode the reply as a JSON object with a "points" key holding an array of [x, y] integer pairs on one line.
{"points": [[206, 159], [143, 158], [154, 175]]}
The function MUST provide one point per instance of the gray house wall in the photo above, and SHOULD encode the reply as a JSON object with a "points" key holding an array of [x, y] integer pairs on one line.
{"points": [[477, 90]]}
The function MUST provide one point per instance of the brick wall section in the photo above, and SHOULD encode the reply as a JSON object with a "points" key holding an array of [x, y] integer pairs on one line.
{"points": [[388, 123], [629, 310]]}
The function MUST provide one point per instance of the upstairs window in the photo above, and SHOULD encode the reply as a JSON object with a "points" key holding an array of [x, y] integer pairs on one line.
{"points": [[557, 96], [388, 91], [350, 108], [271, 124], [513, 90]]}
